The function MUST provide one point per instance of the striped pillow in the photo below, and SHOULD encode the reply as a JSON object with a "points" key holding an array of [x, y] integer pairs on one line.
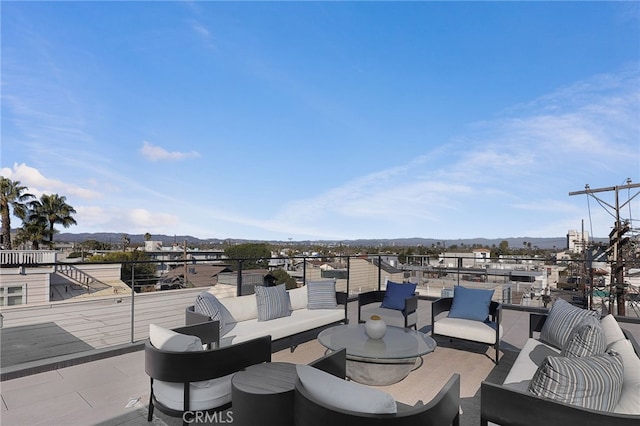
{"points": [[593, 382], [209, 305], [559, 324], [273, 302], [586, 339], [321, 294]]}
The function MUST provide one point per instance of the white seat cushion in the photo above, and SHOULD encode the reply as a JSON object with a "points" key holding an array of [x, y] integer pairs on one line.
{"points": [[202, 395], [300, 320], [461, 328], [629, 402], [526, 364], [611, 330], [341, 394]]}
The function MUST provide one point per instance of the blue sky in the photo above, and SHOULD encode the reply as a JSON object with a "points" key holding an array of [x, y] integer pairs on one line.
{"points": [[324, 120]]}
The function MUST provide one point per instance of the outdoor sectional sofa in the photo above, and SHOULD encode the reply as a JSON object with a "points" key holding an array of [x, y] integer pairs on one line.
{"points": [[289, 320], [559, 379]]}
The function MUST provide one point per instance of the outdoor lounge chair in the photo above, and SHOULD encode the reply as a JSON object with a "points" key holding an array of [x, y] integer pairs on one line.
{"points": [[186, 378], [397, 305], [311, 410], [473, 318]]}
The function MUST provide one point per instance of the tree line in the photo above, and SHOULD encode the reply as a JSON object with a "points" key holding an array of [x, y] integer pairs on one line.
{"points": [[39, 216]]}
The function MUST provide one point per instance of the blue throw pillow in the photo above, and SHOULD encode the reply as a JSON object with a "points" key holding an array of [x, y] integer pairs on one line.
{"points": [[395, 295], [470, 303]]}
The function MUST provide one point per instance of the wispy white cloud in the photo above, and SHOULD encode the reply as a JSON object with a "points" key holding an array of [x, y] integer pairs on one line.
{"points": [[521, 164], [156, 153], [39, 184]]}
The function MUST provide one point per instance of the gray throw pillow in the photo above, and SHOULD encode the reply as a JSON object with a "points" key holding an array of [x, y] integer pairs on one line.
{"points": [[560, 322], [593, 382], [321, 294], [209, 305], [273, 302], [586, 339]]}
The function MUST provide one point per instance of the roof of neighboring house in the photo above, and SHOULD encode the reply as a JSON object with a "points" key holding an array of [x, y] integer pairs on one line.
{"points": [[200, 275], [385, 266]]}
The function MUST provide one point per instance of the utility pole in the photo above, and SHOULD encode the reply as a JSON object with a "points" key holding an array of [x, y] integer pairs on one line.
{"points": [[616, 239]]}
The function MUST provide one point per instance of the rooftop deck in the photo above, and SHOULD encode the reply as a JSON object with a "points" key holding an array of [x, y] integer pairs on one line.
{"points": [[41, 384]]}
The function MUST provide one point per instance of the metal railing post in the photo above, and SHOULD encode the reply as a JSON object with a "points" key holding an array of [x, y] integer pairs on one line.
{"points": [[348, 273], [133, 292], [304, 270], [239, 279], [379, 272]]}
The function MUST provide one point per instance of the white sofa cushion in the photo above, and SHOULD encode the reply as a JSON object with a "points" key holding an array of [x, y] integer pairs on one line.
{"points": [[532, 355], [298, 298], [461, 328], [299, 321], [629, 402], [169, 340], [611, 330], [338, 393], [241, 308]]}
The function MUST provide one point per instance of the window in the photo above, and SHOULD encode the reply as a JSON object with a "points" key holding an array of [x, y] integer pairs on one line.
{"points": [[15, 295]]}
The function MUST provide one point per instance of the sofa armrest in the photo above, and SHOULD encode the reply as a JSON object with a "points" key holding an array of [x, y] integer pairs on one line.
{"points": [[342, 298], [536, 321], [367, 298], [441, 305], [410, 307], [505, 406], [191, 317], [208, 332], [634, 342]]}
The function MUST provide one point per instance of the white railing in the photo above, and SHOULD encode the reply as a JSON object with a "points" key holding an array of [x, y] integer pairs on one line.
{"points": [[27, 257]]}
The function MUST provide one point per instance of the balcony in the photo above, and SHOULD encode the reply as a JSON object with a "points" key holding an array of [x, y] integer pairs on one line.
{"points": [[80, 361]]}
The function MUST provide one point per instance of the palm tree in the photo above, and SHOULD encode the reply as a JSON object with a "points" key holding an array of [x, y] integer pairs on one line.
{"points": [[32, 231], [53, 209], [13, 195]]}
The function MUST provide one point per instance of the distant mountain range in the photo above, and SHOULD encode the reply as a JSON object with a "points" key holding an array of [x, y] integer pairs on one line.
{"points": [[515, 242]]}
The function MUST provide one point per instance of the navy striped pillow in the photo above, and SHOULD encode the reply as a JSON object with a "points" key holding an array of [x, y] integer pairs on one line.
{"points": [[321, 294], [586, 339], [593, 382], [209, 305], [562, 318], [273, 302]]}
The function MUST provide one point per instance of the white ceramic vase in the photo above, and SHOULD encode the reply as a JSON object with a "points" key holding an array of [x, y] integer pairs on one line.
{"points": [[375, 327]]}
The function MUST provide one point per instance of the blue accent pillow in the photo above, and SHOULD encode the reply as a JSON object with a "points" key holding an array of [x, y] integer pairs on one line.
{"points": [[395, 295], [470, 303]]}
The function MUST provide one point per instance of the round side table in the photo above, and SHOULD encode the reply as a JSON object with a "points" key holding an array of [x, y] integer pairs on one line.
{"points": [[264, 394]]}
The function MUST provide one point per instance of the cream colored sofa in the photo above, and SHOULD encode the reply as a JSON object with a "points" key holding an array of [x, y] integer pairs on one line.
{"points": [[290, 329], [512, 404]]}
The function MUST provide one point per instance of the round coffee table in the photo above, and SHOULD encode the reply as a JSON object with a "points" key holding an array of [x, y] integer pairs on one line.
{"points": [[382, 361]]}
